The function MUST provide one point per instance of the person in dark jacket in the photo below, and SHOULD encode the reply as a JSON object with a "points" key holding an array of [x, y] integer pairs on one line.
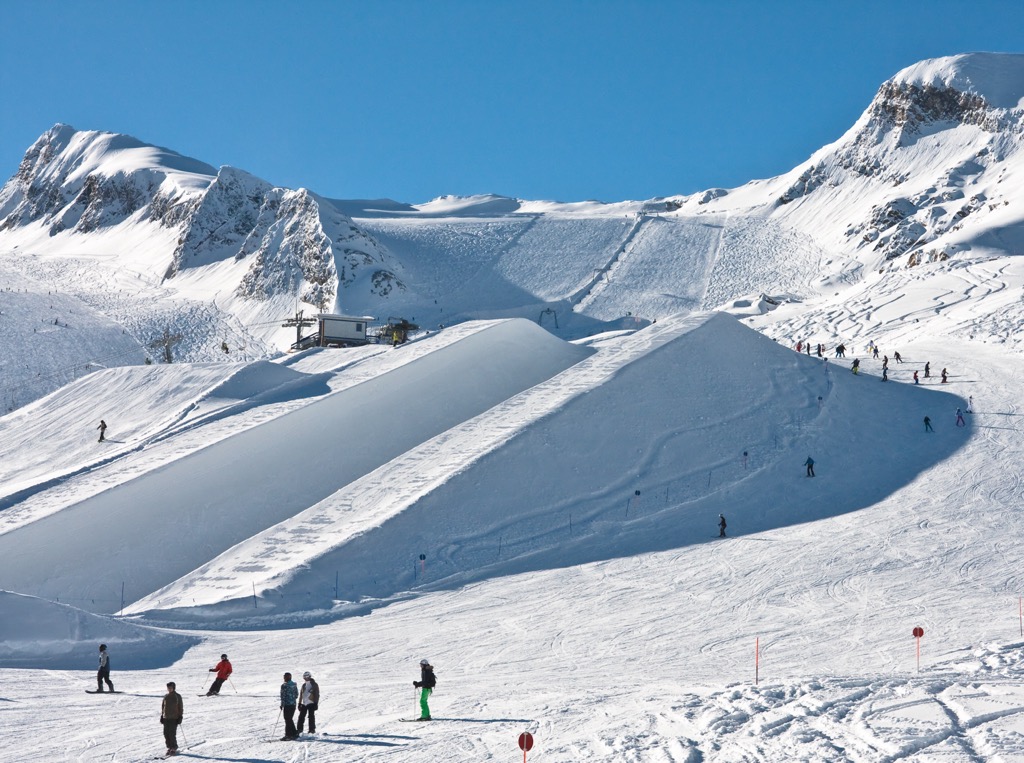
{"points": [[289, 696], [309, 701], [172, 710], [928, 424], [426, 685], [809, 463], [721, 525], [103, 429], [103, 674], [223, 670]]}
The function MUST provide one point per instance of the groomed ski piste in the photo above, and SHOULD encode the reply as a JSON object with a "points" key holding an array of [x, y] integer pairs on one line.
{"points": [[553, 597]]}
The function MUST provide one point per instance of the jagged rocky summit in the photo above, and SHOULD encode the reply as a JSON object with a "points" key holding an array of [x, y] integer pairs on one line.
{"points": [[288, 242]]}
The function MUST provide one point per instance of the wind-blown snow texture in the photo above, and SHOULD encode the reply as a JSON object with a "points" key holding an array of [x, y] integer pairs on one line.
{"points": [[564, 496]]}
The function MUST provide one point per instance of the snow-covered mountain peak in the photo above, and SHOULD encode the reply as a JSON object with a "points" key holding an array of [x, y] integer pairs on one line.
{"points": [[996, 77]]}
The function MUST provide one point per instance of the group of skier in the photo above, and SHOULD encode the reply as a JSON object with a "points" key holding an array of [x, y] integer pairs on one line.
{"points": [[305, 698]]}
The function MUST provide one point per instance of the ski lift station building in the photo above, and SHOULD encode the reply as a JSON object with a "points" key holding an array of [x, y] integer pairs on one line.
{"points": [[342, 330]]}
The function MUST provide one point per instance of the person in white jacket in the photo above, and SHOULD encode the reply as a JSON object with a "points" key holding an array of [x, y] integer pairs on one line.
{"points": [[103, 674], [309, 700]]}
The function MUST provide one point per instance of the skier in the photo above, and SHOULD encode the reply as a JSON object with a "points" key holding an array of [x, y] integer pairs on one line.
{"points": [[960, 418], [103, 675], [809, 463], [289, 696], [807, 349], [799, 346], [928, 424], [885, 374], [172, 710], [885, 361], [103, 429], [309, 701], [856, 366], [223, 670], [943, 375], [928, 370], [721, 525], [821, 349], [915, 378], [874, 353], [970, 404], [897, 358], [426, 684]]}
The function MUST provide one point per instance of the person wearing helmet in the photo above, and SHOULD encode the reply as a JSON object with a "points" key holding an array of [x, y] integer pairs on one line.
{"points": [[426, 685], [104, 672], [309, 701], [223, 670]]}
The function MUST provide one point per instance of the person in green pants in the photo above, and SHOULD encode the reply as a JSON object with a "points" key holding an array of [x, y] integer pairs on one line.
{"points": [[426, 685]]}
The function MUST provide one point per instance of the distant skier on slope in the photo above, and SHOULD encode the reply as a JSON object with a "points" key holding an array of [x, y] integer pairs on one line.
{"points": [[103, 674], [172, 711], [897, 357], [944, 375], [970, 404], [721, 525], [809, 463], [103, 429], [885, 374], [856, 366], [426, 685], [928, 370], [928, 424], [223, 670], [916, 380], [960, 418]]}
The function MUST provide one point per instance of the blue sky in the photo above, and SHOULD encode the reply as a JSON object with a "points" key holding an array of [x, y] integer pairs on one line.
{"points": [[539, 100]]}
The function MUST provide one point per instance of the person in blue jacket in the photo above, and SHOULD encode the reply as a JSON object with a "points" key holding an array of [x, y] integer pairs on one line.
{"points": [[809, 463], [289, 698]]}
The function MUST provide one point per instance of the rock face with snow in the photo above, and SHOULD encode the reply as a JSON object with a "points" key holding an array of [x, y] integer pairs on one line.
{"points": [[286, 243], [921, 175]]}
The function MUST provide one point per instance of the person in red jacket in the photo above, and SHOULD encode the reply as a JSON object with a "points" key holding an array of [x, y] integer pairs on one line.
{"points": [[223, 670]]}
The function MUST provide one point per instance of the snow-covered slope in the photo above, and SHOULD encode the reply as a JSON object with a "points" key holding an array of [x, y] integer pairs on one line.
{"points": [[564, 497]]}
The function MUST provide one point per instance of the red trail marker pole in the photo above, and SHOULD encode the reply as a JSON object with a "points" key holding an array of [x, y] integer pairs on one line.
{"points": [[918, 633], [757, 660]]}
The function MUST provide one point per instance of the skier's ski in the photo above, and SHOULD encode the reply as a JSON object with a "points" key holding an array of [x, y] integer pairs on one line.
{"points": [[87, 691], [207, 695], [180, 750], [415, 720]]}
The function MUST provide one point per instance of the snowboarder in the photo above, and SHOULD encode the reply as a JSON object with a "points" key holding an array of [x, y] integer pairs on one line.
{"points": [[928, 370], [103, 675], [916, 381], [289, 696], [928, 424], [809, 463], [309, 701], [103, 429], [856, 366], [223, 670], [426, 685], [897, 358], [721, 525], [172, 710], [960, 418], [943, 375]]}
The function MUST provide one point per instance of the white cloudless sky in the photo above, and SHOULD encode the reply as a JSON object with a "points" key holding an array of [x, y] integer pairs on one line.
{"points": [[540, 100]]}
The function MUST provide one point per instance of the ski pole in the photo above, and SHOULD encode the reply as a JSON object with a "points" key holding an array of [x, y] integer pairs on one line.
{"points": [[232, 684], [205, 679], [181, 726], [274, 732]]}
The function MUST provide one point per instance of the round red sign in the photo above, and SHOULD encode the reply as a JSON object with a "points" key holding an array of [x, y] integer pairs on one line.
{"points": [[526, 741], [918, 632]]}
